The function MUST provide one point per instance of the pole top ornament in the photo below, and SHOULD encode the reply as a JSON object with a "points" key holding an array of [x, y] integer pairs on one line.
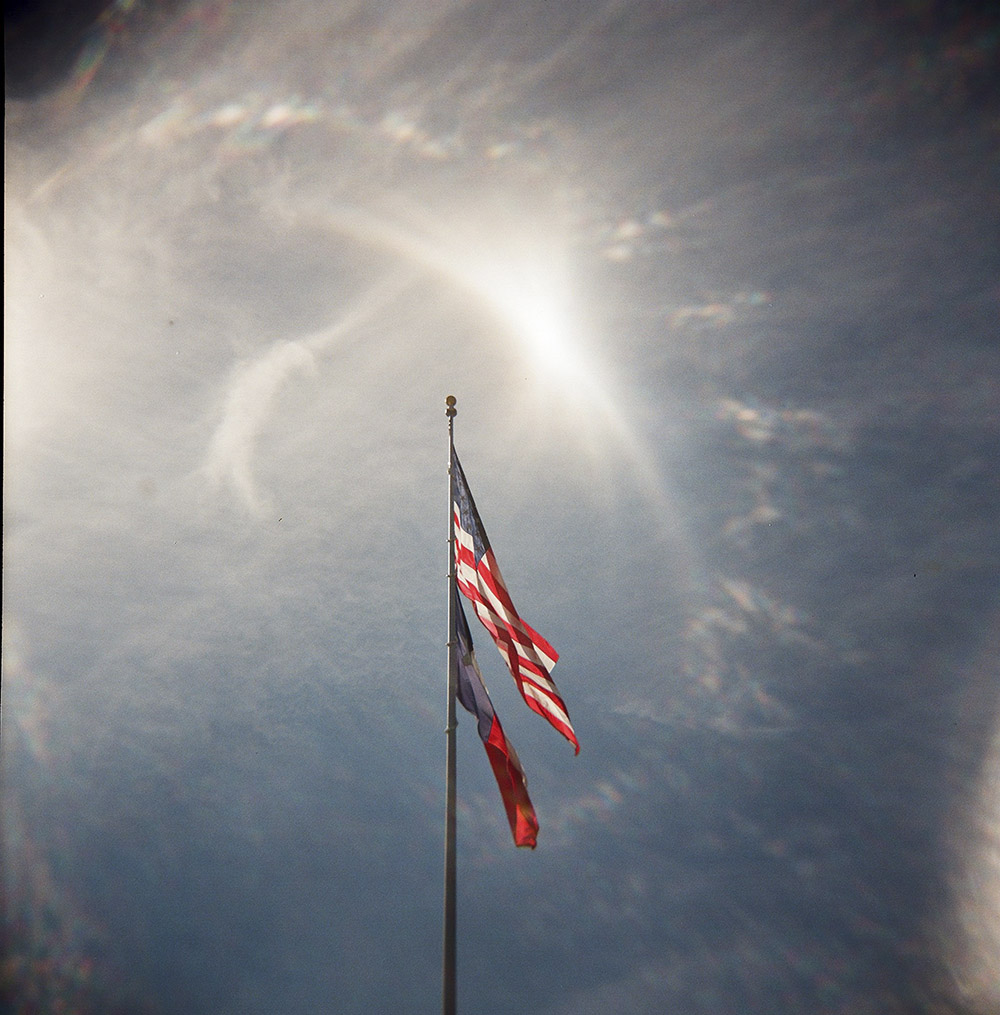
{"points": [[451, 410]]}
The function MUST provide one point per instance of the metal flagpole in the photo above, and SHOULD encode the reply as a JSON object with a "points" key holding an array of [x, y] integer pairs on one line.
{"points": [[448, 971]]}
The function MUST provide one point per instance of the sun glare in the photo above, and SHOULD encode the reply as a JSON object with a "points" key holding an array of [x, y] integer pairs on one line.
{"points": [[524, 280], [532, 295]]}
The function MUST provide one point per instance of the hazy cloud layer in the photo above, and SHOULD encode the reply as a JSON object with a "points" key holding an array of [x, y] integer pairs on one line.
{"points": [[716, 289]]}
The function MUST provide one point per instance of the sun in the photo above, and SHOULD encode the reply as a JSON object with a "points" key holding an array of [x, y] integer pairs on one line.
{"points": [[529, 289], [522, 277]]}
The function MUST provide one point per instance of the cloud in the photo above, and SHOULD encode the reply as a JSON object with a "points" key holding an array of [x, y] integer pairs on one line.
{"points": [[255, 385], [754, 515], [248, 404]]}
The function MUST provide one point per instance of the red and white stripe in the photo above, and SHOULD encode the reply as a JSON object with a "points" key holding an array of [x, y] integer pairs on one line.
{"points": [[528, 655]]}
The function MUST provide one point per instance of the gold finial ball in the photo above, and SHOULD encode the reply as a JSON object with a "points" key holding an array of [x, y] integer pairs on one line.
{"points": [[450, 402]]}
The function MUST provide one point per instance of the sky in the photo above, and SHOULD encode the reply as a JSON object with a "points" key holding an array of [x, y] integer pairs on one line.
{"points": [[716, 288]]}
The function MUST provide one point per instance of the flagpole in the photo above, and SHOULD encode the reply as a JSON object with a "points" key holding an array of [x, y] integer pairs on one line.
{"points": [[448, 970]]}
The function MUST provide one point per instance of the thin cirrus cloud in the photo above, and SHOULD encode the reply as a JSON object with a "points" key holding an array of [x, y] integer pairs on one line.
{"points": [[710, 294]]}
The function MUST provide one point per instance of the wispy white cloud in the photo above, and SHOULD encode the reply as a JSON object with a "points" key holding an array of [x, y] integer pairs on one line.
{"points": [[248, 404], [253, 388]]}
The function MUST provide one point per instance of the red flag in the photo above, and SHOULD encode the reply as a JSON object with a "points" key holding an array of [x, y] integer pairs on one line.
{"points": [[528, 655]]}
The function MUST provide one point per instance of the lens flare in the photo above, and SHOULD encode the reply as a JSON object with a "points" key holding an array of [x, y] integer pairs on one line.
{"points": [[526, 285], [972, 937]]}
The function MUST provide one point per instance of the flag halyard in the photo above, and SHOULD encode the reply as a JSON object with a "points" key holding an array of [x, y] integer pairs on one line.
{"points": [[529, 657]]}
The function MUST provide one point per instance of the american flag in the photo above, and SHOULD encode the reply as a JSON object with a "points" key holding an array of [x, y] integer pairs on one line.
{"points": [[528, 655], [503, 758]]}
